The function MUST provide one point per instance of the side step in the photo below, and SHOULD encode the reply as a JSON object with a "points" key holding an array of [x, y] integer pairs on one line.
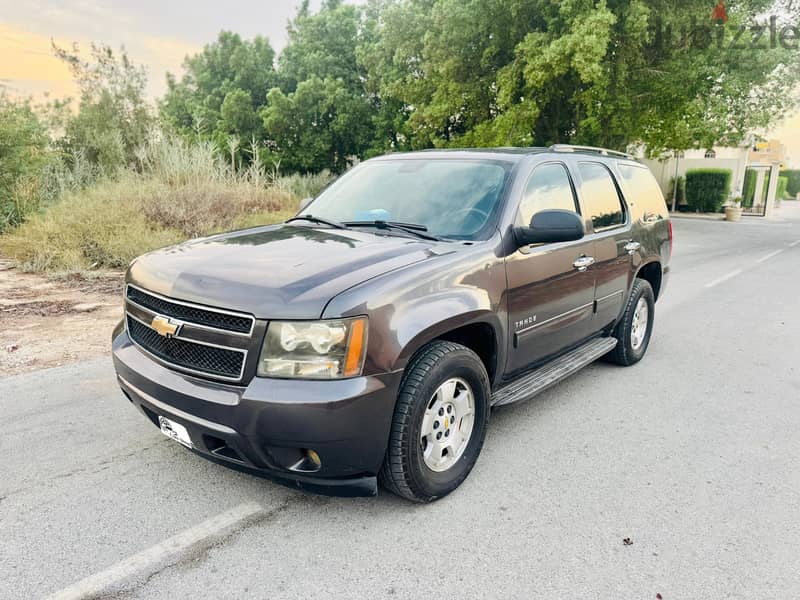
{"points": [[551, 373]]}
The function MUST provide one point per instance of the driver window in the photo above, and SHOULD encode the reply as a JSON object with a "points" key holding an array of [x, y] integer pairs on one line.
{"points": [[548, 187]]}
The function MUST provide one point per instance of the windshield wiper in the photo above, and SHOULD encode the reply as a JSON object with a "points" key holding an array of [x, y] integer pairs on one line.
{"points": [[313, 219], [411, 228]]}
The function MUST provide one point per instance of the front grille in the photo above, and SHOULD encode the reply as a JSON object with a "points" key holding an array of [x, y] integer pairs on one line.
{"points": [[191, 313], [218, 362]]}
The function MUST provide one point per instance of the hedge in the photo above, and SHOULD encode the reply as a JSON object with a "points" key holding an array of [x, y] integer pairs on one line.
{"points": [[707, 189], [793, 185]]}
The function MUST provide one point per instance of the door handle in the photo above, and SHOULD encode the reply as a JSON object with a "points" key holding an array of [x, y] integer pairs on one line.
{"points": [[583, 263], [632, 247]]}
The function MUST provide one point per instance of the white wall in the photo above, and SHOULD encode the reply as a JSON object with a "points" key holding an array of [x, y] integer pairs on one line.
{"points": [[665, 170]]}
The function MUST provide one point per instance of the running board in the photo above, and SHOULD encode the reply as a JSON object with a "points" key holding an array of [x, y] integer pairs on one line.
{"points": [[527, 386]]}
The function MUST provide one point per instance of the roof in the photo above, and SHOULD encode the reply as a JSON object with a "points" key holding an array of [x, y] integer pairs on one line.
{"points": [[512, 153]]}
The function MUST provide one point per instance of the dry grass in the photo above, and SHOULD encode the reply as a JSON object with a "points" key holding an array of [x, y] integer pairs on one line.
{"points": [[196, 210], [182, 192], [113, 221], [93, 229]]}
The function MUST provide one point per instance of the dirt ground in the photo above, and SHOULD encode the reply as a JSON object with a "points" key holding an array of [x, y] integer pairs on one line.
{"points": [[47, 322]]}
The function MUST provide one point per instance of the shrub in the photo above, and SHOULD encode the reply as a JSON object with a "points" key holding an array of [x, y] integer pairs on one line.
{"points": [[175, 161], [707, 189], [793, 182], [178, 191], [23, 152], [83, 231], [197, 210], [109, 223]]}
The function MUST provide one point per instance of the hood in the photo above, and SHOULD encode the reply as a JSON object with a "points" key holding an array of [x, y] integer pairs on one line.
{"points": [[277, 272]]}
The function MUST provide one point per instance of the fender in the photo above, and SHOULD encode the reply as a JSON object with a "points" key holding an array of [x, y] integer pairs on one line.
{"points": [[414, 305], [425, 324]]}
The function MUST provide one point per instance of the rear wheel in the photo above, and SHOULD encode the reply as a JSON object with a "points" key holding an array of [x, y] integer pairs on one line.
{"points": [[439, 423], [635, 327]]}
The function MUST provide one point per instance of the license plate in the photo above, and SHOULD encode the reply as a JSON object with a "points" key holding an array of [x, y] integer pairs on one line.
{"points": [[175, 431]]}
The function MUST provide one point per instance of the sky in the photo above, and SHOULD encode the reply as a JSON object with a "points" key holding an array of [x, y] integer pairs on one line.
{"points": [[158, 34]]}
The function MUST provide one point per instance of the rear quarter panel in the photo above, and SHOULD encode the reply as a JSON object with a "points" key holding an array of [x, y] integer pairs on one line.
{"points": [[651, 222]]}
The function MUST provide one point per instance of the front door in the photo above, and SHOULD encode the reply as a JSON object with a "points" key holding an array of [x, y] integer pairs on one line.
{"points": [[550, 286]]}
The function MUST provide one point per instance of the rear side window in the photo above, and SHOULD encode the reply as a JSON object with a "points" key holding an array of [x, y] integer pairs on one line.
{"points": [[643, 190], [600, 196], [548, 187]]}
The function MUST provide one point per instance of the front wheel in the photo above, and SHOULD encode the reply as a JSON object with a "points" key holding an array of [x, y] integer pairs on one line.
{"points": [[636, 325], [439, 423]]}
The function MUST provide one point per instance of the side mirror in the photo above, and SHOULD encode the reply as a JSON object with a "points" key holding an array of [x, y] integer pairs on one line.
{"points": [[549, 226], [303, 203]]}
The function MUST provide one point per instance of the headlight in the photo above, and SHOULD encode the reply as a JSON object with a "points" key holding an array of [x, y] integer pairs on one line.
{"points": [[331, 349]]}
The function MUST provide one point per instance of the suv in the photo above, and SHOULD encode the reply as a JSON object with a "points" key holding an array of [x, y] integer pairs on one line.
{"points": [[366, 339]]}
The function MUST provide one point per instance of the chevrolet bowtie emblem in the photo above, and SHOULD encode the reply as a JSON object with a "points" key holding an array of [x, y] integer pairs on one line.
{"points": [[165, 326]]}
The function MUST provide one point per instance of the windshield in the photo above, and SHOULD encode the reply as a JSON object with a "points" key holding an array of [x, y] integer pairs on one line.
{"points": [[451, 198]]}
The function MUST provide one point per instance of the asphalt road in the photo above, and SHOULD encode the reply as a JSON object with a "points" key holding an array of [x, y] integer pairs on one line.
{"points": [[692, 454]]}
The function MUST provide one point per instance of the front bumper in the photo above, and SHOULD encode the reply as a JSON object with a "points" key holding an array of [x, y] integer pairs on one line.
{"points": [[268, 426]]}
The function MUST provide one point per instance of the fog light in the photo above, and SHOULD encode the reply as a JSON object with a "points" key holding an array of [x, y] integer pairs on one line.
{"points": [[310, 463], [314, 458]]}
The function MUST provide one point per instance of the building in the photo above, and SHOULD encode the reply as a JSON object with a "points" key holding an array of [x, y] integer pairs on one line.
{"points": [[762, 157], [768, 152]]}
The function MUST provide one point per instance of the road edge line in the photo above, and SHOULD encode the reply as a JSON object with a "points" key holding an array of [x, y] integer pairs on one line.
{"points": [[724, 278], [768, 256], [94, 585]]}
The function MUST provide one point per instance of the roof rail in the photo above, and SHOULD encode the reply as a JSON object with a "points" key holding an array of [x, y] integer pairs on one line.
{"points": [[601, 151]]}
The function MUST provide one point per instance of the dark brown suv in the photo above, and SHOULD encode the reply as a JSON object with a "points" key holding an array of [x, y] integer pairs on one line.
{"points": [[367, 339]]}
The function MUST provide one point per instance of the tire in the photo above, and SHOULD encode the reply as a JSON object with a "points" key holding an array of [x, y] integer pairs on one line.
{"points": [[417, 468], [628, 351]]}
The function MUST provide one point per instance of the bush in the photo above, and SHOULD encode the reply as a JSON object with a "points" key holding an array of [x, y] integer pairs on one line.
{"points": [[83, 231], [707, 189], [115, 220], [179, 191], [793, 182], [23, 153]]}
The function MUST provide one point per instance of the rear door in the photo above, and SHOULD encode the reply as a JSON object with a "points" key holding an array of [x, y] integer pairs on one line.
{"points": [[651, 217], [610, 221], [550, 299]]}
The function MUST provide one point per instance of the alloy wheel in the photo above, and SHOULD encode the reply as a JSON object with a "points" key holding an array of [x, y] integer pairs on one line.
{"points": [[447, 424]]}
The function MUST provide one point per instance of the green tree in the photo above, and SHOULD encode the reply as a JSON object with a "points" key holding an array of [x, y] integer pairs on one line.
{"points": [[222, 90], [24, 150], [318, 126], [113, 118], [409, 74], [321, 73], [322, 44], [610, 73], [238, 116]]}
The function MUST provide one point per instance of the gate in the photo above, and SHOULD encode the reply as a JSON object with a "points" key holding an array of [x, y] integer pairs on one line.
{"points": [[754, 191]]}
